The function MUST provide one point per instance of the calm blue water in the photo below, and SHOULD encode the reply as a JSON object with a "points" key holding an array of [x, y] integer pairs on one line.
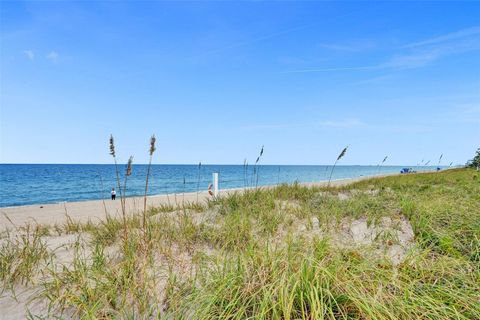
{"points": [[23, 184]]}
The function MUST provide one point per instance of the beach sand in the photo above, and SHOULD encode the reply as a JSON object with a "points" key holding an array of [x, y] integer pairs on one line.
{"points": [[96, 210], [15, 307]]}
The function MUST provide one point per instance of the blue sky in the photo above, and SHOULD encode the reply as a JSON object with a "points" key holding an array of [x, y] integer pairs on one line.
{"points": [[217, 80]]}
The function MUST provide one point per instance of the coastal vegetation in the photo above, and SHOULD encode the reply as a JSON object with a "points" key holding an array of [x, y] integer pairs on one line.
{"points": [[396, 247], [340, 156], [475, 162]]}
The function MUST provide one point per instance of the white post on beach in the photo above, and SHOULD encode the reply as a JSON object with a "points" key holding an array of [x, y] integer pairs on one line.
{"points": [[215, 184]]}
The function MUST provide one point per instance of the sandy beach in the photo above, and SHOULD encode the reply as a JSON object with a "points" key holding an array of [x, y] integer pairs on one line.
{"points": [[95, 210], [366, 220]]}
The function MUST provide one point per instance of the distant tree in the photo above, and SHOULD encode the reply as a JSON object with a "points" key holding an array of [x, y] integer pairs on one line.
{"points": [[475, 162]]}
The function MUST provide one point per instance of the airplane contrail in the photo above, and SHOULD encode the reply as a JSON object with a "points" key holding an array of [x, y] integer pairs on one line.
{"points": [[272, 35], [332, 69]]}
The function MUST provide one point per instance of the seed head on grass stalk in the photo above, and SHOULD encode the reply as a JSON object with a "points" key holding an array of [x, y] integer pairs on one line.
{"points": [[246, 175], [184, 182], [381, 163], [128, 169], [113, 154], [257, 169], [102, 195], [151, 152], [278, 176], [340, 156], [245, 168], [128, 172], [199, 175], [152, 145], [112, 146]]}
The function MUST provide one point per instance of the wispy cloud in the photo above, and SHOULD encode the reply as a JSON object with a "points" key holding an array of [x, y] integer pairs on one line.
{"points": [[262, 38], [29, 54], [53, 56], [424, 52], [417, 54], [345, 123], [461, 34], [352, 124], [332, 69], [410, 60], [354, 46], [375, 79], [259, 39]]}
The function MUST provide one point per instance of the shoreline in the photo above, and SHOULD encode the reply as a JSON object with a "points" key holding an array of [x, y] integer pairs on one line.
{"points": [[96, 210]]}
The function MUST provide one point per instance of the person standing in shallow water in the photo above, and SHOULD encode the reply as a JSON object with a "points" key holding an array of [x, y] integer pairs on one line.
{"points": [[114, 193]]}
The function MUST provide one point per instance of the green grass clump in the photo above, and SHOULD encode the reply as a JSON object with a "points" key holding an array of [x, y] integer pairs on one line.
{"points": [[310, 281], [21, 255], [100, 286], [272, 254]]}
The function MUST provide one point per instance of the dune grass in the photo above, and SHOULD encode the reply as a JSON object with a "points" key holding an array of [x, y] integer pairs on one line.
{"points": [[268, 254]]}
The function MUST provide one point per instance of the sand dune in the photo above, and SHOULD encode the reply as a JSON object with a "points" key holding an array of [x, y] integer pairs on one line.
{"points": [[95, 210]]}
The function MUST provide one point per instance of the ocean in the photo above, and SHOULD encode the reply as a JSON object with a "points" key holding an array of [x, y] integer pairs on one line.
{"points": [[25, 184]]}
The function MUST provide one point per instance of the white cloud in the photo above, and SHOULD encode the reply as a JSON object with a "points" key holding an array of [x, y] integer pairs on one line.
{"points": [[424, 52], [374, 79], [53, 56], [348, 123], [412, 60], [417, 54], [453, 36], [29, 54]]}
